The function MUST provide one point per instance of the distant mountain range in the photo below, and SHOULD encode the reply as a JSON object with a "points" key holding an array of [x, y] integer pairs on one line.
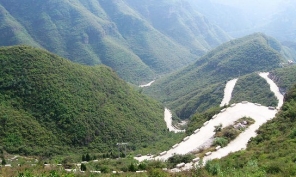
{"points": [[138, 39]]}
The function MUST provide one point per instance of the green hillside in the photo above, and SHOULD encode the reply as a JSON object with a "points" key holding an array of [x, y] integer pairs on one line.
{"points": [[284, 77], [111, 32], [49, 105], [201, 85], [255, 89], [181, 22]]}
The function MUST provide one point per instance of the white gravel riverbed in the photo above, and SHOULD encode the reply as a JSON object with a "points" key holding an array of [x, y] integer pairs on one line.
{"points": [[260, 114]]}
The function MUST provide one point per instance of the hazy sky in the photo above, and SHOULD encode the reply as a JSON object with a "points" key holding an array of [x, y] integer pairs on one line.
{"points": [[252, 5], [273, 17], [250, 2], [260, 8]]}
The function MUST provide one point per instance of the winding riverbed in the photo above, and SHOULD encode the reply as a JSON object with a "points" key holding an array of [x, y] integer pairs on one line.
{"points": [[260, 114], [228, 92], [168, 120]]}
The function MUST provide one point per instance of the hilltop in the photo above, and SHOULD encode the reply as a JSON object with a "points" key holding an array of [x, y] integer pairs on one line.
{"points": [[201, 85], [49, 105]]}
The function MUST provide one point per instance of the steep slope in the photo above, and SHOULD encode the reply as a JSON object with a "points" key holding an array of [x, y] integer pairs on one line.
{"points": [[290, 48], [11, 31], [70, 30], [50, 105], [181, 22], [284, 77], [200, 86], [110, 32]]}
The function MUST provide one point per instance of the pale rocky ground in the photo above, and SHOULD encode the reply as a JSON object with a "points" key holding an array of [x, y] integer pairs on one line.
{"points": [[168, 120], [228, 91], [147, 85], [274, 88], [260, 114]]}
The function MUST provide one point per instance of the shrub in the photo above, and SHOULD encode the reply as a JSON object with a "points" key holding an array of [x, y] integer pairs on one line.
{"points": [[230, 133], [220, 141], [142, 166], [132, 167], [83, 167], [87, 157], [105, 169], [213, 167], [157, 173], [176, 159], [273, 169], [3, 161]]}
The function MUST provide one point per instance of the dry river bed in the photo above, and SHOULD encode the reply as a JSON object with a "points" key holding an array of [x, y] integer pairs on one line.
{"points": [[259, 113]]}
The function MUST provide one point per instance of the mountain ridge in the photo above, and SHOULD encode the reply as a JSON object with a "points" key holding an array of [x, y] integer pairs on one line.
{"points": [[107, 32], [70, 106], [200, 85]]}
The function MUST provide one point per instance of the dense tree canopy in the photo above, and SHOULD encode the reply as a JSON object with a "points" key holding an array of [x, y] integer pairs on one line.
{"points": [[48, 104]]}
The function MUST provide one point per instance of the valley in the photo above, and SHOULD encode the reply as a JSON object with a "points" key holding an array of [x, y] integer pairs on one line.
{"points": [[152, 88], [201, 138], [191, 144], [138, 44]]}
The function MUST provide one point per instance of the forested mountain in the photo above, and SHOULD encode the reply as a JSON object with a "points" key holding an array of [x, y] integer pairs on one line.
{"points": [[49, 105], [139, 40], [201, 85]]}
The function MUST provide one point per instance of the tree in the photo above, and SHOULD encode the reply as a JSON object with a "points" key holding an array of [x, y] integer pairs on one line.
{"points": [[132, 168], [87, 157], [83, 167], [3, 161], [83, 158]]}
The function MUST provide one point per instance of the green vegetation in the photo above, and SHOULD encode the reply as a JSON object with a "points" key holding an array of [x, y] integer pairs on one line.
{"points": [[229, 133], [271, 153], [198, 119], [177, 159], [184, 25], [220, 141], [255, 89], [50, 106], [284, 77], [116, 33], [3, 161], [201, 85]]}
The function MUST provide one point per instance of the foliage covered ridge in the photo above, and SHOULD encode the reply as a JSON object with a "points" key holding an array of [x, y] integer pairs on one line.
{"points": [[49, 104], [115, 33], [201, 85]]}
